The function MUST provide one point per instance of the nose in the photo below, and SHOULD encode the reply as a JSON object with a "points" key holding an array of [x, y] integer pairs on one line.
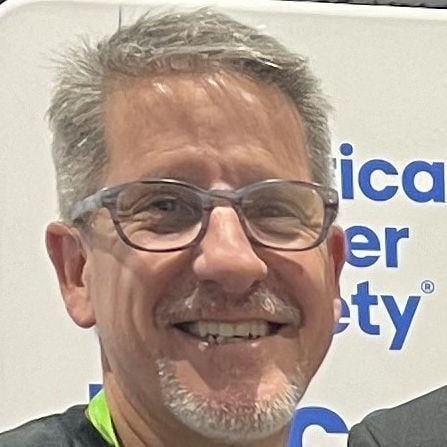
{"points": [[226, 255]]}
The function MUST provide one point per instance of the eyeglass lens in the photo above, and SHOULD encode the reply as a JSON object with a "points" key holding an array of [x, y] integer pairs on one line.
{"points": [[159, 216]]}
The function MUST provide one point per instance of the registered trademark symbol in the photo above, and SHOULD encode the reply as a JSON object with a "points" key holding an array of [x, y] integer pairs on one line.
{"points": [[428, 286]]}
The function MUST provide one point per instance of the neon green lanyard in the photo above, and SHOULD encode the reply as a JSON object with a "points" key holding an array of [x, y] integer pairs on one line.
{"points": [[99, 415]]}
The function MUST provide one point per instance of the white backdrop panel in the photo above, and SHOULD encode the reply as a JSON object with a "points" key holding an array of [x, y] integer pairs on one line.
{"points": [[386, 73]]}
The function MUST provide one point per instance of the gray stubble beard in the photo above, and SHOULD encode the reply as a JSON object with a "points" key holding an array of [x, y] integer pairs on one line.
{"points": [[229, 424]]}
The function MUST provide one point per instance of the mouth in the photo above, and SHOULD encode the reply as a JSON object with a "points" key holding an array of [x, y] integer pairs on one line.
{"points": [[219, 332]]}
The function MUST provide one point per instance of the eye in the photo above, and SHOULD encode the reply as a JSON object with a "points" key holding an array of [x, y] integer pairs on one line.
{"points": [[272, 209], [162, 214], [276, 210], [277, 218], [159, 215], [164, 205], [165, 208], [133, 206]]}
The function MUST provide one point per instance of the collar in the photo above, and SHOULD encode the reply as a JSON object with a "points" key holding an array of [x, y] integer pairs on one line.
{"points": [[98, 414]]}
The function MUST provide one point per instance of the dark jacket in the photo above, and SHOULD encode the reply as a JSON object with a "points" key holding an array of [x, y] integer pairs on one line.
{"points": [[69, 429], [422, 422]]}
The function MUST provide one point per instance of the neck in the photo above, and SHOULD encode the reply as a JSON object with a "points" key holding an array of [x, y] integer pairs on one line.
{"points": [[137, 427]]}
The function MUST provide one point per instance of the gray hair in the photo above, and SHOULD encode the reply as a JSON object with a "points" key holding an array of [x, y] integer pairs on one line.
{"points": [[165, 43]]}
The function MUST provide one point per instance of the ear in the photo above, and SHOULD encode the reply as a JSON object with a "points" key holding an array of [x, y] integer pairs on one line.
{"points": [[337, 254], [64, 246]]}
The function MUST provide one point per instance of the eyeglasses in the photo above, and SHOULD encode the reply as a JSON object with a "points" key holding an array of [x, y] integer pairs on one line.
{"points": [[168, 215]]}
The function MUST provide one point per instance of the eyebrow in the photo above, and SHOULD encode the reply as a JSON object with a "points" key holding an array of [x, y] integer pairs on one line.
{"points": [[173, 174], [195, 173]]}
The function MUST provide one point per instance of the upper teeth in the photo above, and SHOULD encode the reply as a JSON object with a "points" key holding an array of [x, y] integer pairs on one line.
{"points": [[246, 329]]}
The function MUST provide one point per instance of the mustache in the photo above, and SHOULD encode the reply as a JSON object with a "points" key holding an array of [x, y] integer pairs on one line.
{"points": [[206, 300]]}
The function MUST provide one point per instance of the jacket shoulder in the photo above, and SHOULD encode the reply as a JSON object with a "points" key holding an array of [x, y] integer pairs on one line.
{"points": [[69, 429], [419, 422]]}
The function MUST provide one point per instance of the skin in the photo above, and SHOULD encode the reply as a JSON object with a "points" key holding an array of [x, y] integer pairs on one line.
{"points": [[214, 130]]}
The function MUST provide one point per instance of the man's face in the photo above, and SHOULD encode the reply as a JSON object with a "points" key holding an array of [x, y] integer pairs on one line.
{"points": [[215, 131]]}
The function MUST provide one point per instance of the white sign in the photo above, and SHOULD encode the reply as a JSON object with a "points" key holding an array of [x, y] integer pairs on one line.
{"points": [[385, 70]]}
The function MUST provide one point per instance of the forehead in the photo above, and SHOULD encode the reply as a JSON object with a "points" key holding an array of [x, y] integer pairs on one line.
{"points": [[173, 125]]}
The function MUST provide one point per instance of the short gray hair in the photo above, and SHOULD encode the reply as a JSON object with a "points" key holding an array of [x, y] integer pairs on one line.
{"points": [[164, 43]]}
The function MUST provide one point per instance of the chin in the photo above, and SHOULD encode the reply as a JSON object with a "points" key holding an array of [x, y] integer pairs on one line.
{"points": [[235, 415]]}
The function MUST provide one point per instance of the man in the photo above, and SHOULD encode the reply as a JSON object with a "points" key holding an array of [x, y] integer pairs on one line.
{"points": [[193, 170], [418, 423]]}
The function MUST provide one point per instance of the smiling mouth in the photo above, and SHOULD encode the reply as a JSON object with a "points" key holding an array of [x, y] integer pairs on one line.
{"points": [[215, 332]]}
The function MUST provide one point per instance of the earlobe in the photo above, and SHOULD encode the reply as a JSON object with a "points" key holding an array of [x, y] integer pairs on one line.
{"points": [[337, 249], [337, 252], [337, 309], [68, 256]]}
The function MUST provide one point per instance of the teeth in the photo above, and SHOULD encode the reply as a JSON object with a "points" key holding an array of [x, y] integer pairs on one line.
{"points": [[226, 330], [202, 331], [240, 330], [213, 328], [220, 339], [217, 332]]}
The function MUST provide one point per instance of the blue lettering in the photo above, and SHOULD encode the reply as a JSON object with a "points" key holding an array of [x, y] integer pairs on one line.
{"points": [[404, 178], [330, 421], [94, 389], [361, 238], [345, 313], [347, 184], [436, 172], [364, 300], [365, 174], [401, 321], [392, 237]]}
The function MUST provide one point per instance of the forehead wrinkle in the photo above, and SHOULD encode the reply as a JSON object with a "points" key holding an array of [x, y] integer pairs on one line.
{"points": [[162, 109], [214, 112], [184, 102], [151, 104], [255, 106]]}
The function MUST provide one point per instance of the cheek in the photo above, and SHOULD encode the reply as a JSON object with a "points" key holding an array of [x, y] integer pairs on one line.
{"points": [[318, 303], [127, 288], [123, 301], [309, 279], [310, 282], [317, 332]]}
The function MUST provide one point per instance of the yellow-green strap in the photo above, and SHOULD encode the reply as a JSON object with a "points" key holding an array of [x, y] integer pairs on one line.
{"points": [[99, 415]]}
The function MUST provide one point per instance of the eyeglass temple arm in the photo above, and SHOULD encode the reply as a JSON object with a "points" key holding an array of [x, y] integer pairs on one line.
{"points": [[87, 205]]}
